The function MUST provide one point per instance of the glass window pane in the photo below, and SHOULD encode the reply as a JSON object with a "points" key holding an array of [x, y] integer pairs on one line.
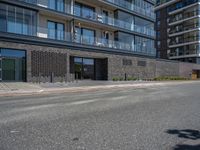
{"points": [[52, 4], [51, 30], [12, 53], [88, 36], [11, 19], [27, 22], [19, 20], [3, 11], [88, 61], [60, 5], [60, 31], [78, 60], [33, 23], [88, 12], [77, 9]]}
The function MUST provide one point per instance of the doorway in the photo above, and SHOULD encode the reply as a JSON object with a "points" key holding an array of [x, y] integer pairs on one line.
{"points": [[89, 68], [84, 68], [12, 65]]}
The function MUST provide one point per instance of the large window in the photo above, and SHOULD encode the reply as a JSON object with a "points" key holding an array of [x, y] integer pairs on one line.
{"points": [[84, 68], [55, 30], [18, 20], [56, 5], [84, 11], [85, 36]]}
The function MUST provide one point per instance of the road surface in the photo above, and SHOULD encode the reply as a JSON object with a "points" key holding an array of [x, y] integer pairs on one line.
{"points": [[150, 118]]}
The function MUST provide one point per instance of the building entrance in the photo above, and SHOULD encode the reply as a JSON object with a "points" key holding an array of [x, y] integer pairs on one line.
{"points": [[84, 68], [12, 65], [88, 68]]}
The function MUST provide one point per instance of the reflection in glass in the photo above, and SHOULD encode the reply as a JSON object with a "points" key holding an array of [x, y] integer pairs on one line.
{"points": [[84, 68], [19, 20]]}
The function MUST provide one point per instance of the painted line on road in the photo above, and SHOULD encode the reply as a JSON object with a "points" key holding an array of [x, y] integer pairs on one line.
{"points": [[83, 102]]}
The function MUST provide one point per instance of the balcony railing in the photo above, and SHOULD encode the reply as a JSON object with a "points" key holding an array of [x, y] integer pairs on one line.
{"points": [[96, 17], [184, 3], [184, 40], [132, 7], [117, 23], [184, 16], [62, 36], [160, 2], [184, 53], [184, 28]]}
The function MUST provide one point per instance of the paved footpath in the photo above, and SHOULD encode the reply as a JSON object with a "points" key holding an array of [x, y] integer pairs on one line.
{"points": [[20, 88]]}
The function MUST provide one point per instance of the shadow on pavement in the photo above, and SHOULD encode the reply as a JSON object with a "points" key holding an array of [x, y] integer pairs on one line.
{"points": [[187, 147], [186, 134]]}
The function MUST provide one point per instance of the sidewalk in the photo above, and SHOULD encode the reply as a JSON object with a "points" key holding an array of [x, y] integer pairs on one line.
{"points": [[21, 88]]}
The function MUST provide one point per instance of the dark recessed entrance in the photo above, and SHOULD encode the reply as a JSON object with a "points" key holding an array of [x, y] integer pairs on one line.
{"points": [[88, 68]]}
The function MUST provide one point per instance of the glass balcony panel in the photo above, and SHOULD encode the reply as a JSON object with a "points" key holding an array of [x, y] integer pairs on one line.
{"points": [[91, 15]]}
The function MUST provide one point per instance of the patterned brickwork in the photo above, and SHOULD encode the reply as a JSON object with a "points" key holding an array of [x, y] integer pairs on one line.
{"points": [[46, 63]]}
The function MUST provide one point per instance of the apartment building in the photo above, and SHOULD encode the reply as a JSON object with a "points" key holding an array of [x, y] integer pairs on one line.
{"points": [[63, 40], [177, 26]]}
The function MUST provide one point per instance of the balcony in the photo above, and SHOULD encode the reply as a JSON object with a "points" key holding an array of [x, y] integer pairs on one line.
{"points": [[134, 8], [184, 29], [184, 41], [78, 40], [184, 54], [185, 16], [183, 5], [160, 2], [116, 23], [95, 17]]}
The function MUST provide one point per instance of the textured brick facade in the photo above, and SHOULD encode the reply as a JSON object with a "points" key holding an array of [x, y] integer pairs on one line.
{"points": [[45, 60]]}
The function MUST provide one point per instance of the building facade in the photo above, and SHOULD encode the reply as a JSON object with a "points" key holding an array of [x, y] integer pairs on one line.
{"points": [[178, 32], [62, 40]]}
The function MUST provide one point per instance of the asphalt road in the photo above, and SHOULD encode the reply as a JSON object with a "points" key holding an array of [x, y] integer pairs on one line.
{"points": [[152, 118]]}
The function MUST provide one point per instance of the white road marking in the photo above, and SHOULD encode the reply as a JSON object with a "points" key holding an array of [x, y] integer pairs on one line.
{"points": [[83, 102], [14, 131]]}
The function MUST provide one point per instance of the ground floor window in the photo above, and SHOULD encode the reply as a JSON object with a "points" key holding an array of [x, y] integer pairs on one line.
{"points": [[12, 65], [84, 68], [89, 68]]}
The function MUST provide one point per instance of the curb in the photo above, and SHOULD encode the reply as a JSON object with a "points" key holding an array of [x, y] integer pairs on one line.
{"points": [[87, 88]]}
